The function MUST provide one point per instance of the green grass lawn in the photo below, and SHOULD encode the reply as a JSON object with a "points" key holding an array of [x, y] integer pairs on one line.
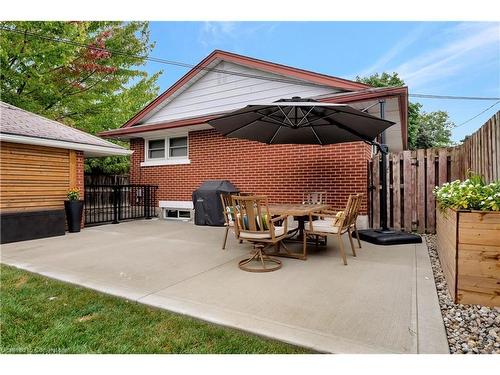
{"points": [[41, 315]]}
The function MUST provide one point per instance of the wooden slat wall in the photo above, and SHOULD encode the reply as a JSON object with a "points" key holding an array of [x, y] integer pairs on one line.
{"points": [[407, 192], [430, 203], [34, 177], [396, 190], [421, 190], [413, 207], [478, 258], [481, 151], [447, 247]]}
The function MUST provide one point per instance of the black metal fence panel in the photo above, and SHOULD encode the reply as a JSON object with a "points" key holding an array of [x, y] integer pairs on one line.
{"points": [[114, 203], [106, 179]]}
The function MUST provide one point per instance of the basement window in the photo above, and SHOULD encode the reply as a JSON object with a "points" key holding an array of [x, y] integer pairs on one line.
{"points": [[177, 214]]}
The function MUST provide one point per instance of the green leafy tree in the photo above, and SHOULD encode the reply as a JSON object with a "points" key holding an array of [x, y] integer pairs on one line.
{"points": [[425, 130], [434, 130], [78, 83]]}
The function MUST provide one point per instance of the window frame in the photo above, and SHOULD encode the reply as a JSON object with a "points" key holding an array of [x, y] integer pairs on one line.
{"points": [[167, 141], [167, 159], [156, 149]]}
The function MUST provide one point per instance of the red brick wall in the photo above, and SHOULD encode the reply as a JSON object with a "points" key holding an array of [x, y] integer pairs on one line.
{"points": [[282, 172], [80, 173], [80, 179]]}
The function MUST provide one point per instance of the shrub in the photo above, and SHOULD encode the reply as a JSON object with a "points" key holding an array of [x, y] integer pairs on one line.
{"points": [[73, 194], [471, 194]]}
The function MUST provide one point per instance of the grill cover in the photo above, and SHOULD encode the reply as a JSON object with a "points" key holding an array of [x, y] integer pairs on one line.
{"points": [[207, 203]]}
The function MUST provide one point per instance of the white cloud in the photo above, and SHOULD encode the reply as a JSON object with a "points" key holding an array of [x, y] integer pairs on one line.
{"points": [[213, 34], [466, 46], [457, 49], [399, 47]]}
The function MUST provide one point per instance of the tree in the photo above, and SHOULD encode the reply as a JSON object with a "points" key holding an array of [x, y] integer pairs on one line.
{"points": [[434, 130], [78, 83], [425, 130]]}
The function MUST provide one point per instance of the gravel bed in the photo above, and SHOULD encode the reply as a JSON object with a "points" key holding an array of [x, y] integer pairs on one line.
{"points": [[470, 328]]}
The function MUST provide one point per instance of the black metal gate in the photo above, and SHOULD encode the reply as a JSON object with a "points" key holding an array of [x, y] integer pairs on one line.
{"points": [[114, 203]]}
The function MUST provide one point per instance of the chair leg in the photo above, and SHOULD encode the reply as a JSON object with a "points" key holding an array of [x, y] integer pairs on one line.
{"points": [[352, 243], [357, 235], [304, 246], [259, 257], [341, 246], [225, 238]]}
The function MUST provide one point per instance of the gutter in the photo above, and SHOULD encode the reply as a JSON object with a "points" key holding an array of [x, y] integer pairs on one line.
{"points": [[89, 150], [124, 132]]}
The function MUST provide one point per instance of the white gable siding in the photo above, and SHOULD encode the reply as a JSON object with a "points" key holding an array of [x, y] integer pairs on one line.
{"points": [[218, 92], [392, 134]]}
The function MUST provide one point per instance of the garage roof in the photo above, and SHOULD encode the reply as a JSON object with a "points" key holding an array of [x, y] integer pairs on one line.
{"points": [[20, 126]]}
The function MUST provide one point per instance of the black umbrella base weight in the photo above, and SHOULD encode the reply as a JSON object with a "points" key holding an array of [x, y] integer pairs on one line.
{"points": [[388, 237]]}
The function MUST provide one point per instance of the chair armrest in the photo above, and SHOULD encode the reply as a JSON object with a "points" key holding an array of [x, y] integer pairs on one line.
{"points": [[329, 212], [282, 217], [285, 224], [322, 215]]}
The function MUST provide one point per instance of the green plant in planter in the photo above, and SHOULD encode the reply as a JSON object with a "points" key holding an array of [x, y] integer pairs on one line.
{"points": [[471, 194], [73, 194]]}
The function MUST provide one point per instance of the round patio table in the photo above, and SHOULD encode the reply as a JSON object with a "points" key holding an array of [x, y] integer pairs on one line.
{"points": [[301, 212]]}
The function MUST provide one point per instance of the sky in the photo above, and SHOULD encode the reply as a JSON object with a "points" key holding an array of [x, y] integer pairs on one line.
{"points": [[439, 58]]}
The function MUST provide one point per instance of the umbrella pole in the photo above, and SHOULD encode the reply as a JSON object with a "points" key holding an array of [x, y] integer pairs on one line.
{"points": [[384, 235], [383, 199], [384, 150]]}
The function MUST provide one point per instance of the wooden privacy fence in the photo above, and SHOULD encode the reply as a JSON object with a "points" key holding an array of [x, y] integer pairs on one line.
{"points": [[107, 179], [413, 175]]}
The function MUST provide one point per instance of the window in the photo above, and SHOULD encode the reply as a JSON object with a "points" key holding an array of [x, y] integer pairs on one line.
{"points": [[177, 214], [156, 149], [166, 151], [177, 147]]}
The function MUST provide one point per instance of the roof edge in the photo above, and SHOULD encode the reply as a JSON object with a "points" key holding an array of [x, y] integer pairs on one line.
{"points": [[307, 75], [118, 133], [343, 82], [91, 150], [400, 92]]}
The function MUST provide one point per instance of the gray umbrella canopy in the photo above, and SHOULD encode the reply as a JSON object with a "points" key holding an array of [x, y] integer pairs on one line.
{"points": [[300, 121]]}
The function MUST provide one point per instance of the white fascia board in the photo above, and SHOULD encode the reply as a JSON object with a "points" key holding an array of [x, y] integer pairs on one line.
{"points": [[181, 130], [89, 150]]}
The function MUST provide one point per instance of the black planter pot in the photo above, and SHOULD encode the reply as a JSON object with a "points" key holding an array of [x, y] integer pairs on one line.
{"points": [[74, 211]]}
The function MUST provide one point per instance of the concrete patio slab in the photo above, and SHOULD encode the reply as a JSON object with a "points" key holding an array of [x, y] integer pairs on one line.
{"points": [[384, 301]]}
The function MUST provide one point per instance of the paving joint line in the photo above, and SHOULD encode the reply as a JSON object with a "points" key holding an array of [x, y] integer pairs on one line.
{"points": [[188, 278]]}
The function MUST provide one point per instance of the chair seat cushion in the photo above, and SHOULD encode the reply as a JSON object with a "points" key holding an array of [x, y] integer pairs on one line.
{"points": [[324, 226], [278, 231], [291, 223]]}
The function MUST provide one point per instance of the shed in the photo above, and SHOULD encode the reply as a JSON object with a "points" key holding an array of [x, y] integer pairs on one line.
{"points": [[40, 159]]}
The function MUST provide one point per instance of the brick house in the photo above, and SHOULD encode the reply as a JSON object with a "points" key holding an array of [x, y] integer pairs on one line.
{"points": [[177, 150]]}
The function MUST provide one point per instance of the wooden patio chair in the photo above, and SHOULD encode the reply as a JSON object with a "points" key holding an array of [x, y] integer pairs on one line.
{"points": [[353, 227], [254, 224], [314, 197], [336, 223], [228, 212]]}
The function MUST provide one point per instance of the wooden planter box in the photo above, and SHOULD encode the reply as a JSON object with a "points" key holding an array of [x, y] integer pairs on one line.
{"points": [[469, 251]]}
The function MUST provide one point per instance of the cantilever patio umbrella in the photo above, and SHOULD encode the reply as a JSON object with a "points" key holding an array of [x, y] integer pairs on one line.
{"points": [[300, 121], [307, 121]]}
